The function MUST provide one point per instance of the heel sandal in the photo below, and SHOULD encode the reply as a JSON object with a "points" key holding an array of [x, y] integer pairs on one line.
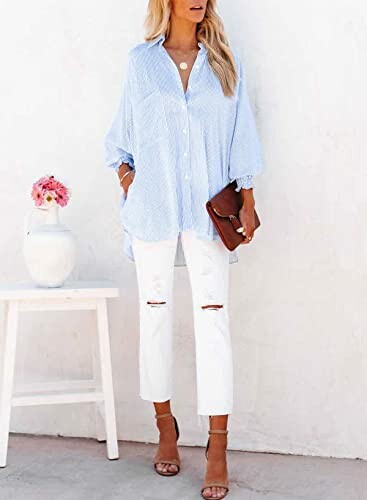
{"points": [[211, 484], [168, 460]]}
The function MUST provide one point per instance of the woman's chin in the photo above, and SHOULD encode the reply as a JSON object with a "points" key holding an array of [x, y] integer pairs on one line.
{"points": [[196, 16]]}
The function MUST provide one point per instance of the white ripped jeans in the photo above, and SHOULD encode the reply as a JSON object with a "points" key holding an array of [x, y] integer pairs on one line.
{"points": [[208, 268]]}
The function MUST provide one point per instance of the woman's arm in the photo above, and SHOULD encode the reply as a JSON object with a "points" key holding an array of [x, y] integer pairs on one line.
{"points": [[247, 214], [245, 156], [118, 144]]}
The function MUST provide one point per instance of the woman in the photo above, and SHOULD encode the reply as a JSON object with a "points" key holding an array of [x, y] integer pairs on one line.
{"points": [[183, 130]]}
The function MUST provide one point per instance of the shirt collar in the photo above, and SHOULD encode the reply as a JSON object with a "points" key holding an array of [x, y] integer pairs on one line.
{"points": [[161, 38]]}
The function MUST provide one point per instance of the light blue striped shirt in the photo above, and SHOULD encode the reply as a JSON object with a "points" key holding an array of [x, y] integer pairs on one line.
{"points": [[184, 148]]}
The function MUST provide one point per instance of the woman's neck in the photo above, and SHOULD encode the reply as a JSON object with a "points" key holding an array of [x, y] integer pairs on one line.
{"points": [[182, 35]]}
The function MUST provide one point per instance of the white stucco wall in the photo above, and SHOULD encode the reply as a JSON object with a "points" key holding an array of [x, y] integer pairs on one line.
{"points": [[298, 295]]}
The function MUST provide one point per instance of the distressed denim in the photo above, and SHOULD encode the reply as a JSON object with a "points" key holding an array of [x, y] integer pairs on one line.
{"points": [[208, 268]]}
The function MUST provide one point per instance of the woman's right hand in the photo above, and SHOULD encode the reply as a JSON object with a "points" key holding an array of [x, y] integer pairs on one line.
{"points": [[128, 180]]}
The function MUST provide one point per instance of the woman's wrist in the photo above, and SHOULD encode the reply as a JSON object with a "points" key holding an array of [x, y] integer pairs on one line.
{"points": [[123, 172], [123, 169], [247, 196]]}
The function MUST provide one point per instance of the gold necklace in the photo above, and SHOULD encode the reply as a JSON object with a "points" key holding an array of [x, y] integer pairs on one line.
{"points": [[183, 64]]}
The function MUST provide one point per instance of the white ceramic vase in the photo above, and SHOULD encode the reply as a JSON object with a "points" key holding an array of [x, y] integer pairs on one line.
{"points": [[49, 249]]}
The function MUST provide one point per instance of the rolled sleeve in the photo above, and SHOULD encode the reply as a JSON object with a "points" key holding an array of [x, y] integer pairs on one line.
{"points": [[245, 159], [246, 182], [118, 144]]}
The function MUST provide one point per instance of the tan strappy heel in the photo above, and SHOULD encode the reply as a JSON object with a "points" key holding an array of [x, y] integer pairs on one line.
{"points": [[171, 460], [212, 483]]}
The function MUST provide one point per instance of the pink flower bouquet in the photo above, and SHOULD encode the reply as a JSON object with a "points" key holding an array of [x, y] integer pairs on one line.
{"points": [[47, 191]]}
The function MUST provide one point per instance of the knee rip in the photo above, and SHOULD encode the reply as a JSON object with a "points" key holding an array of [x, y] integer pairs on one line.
{"points": [[213, 307], [156, 303]]}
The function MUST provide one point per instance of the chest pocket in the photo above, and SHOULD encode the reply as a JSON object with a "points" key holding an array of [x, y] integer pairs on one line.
{"points": [[150, 120]]}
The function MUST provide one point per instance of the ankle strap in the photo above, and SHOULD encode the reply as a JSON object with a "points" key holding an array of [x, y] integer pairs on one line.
{"points": [[217, 431], [162, 415]]}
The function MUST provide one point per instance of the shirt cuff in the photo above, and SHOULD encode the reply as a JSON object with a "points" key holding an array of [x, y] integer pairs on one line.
{"points": [[245, 182], [125, 158]]}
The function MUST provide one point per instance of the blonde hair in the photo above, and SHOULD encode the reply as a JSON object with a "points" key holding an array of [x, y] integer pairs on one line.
{"points": [[210, 32]]}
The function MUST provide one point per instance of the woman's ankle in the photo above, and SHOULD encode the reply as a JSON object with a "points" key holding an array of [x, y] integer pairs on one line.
{"points": [[218, 422]]}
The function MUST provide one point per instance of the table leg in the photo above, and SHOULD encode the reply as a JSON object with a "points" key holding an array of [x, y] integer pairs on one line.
{"points": [[107, 381], [11, 322]]}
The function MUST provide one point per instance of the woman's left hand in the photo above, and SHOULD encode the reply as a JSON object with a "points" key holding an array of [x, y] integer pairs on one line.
{"points": [[247, 215]]}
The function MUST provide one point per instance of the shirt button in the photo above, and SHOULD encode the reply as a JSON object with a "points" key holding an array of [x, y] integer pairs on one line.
{"points": [[184, 130], [183, 106], [187, 177], [185, 153]]}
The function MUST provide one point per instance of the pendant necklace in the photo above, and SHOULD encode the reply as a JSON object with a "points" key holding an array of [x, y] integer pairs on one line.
{"points": [[183, 64]]}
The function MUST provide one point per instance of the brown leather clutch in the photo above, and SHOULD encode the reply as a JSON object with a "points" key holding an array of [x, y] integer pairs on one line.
{"points": [[223, 209]]}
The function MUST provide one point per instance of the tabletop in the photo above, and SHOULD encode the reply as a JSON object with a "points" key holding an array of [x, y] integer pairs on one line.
{"points": [[71, 289]]}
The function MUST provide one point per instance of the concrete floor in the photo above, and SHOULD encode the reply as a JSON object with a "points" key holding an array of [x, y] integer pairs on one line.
{"points": [[58, 468]]}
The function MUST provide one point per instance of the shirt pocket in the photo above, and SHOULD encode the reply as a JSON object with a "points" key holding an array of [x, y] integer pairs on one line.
{"points": [[150, 120]]}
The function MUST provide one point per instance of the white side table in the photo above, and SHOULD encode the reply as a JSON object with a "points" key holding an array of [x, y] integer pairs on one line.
{"points": [[76, 295]]}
